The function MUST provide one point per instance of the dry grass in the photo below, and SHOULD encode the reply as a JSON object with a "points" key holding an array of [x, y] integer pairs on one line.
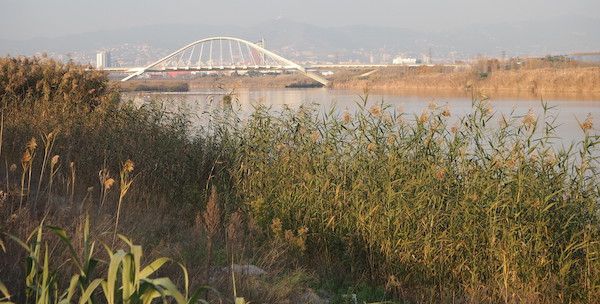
{"points": [[550, 80], [545, 80], [154, 85], [259, 81]]}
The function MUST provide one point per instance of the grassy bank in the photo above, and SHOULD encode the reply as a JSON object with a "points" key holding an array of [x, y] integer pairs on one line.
{"points": [[533, 80], [544, 80], [176, 85], [379, 203], [152, 85]]}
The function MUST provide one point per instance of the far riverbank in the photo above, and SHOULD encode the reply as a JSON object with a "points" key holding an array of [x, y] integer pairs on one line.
{"points": [[577, 80], [547, 80]]}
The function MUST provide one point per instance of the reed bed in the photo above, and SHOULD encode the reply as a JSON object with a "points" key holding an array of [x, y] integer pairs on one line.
{"points": [[396, 206], [65, 161], [485, 210], [539, 80]]}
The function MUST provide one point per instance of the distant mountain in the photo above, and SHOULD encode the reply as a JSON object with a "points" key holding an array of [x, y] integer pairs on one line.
{"points": [[300, 41], [169, 36], [556, 36]]}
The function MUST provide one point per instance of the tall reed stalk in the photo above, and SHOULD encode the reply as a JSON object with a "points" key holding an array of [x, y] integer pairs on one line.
{"points": [[53, 169], [71, 190], [126, 181], [31, 146], [212, 225], [26, 164], [48, 141], [106, 183]]}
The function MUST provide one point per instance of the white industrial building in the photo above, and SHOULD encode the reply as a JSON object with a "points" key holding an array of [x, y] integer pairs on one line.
{"points": [[103, 60], [402, 60]]}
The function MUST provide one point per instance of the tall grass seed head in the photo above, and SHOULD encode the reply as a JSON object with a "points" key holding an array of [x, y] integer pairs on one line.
{"points": [[26, 158], [433, 125], [212, 215], [108, 183], [446, 111], [432, 104], [54, 160], [347, 116], [529, 119], [32, 144], [375, 110], [485, 106], [128, 166], [588, 123], [400, 109], [424, 115], [488, 109], [235, 230], [456, 127], [502, 122]]}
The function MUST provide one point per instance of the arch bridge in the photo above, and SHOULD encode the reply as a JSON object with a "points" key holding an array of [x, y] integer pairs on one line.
{"points": [[220, 54]]}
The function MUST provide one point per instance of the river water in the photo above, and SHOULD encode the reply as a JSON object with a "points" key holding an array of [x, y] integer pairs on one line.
{"points": [[569, 109]]}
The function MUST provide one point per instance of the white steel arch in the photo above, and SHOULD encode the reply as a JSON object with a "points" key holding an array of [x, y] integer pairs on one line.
{"points": [[223, 53]]}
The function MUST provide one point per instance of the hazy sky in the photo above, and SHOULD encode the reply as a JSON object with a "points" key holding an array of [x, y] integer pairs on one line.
{"points": [[23, 19]]}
